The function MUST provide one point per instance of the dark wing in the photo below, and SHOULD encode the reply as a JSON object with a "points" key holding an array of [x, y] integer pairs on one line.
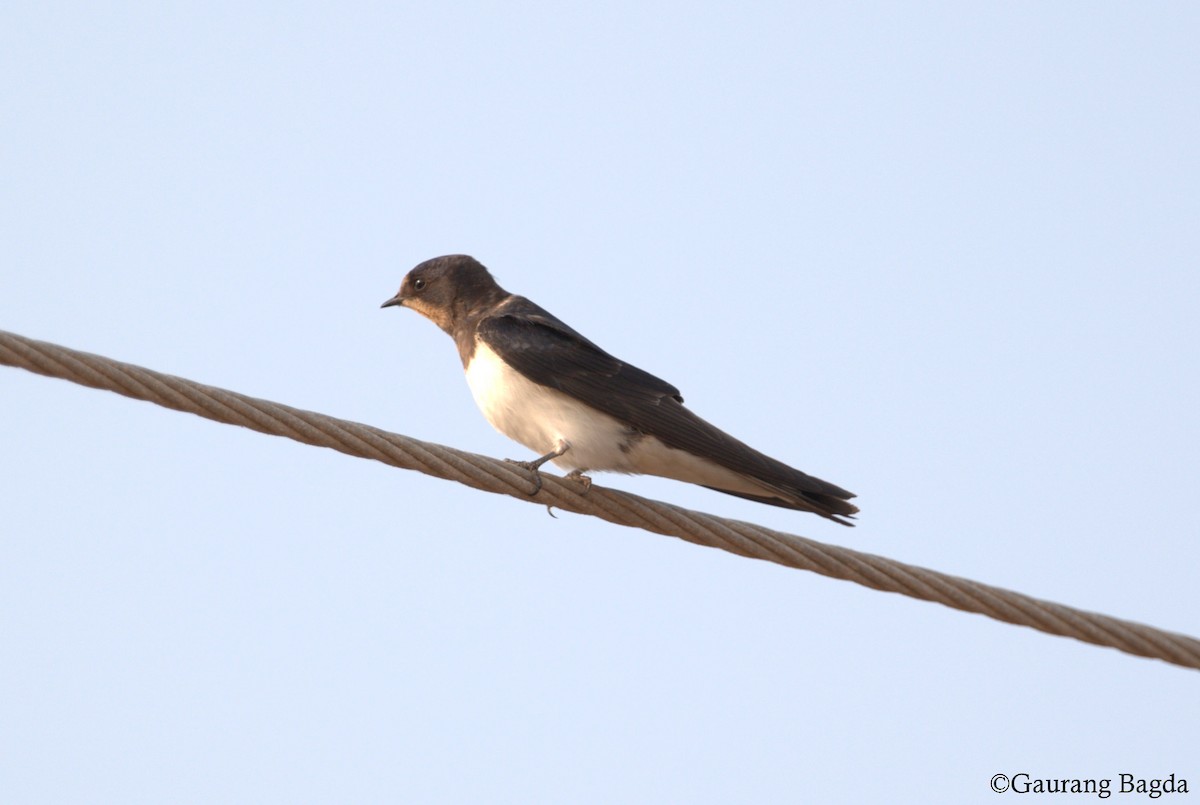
{"points": [[547, 351]]}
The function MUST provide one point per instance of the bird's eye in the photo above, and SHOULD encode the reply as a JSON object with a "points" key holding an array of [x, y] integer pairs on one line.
{"points": [[419, 284]]}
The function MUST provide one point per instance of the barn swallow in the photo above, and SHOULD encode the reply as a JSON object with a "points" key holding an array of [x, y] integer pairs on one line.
{"points": [[542, 384]]}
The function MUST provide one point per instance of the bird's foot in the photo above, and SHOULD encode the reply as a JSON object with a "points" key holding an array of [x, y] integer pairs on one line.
{"points": [[578, 477], [532, 466]]}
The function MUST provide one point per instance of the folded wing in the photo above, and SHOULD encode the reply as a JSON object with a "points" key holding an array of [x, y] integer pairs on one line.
{"points": [[549, 352]]}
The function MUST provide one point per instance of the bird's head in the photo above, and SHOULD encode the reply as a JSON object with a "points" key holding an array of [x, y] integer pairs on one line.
{"points": [[446, 289]]}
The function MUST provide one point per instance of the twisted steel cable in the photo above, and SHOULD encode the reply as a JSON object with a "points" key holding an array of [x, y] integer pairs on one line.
{"points": [[492, 475]]}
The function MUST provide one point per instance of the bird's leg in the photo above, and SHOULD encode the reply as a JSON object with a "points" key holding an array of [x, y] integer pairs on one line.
{"points": [[578, 477], [560, 447]]}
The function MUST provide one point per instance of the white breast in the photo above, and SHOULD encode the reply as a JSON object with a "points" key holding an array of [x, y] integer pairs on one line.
{"points": [[540, 418]]}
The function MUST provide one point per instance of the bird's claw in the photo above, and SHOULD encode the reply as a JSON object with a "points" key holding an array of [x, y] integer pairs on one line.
{"points": [[532, 466], [578, 477]]}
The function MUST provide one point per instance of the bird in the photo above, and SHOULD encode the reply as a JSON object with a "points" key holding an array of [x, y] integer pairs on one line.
{"points": [[542, 384]]}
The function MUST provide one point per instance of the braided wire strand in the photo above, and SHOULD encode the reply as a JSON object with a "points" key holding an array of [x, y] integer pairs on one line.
{"points": [[622, 508]]}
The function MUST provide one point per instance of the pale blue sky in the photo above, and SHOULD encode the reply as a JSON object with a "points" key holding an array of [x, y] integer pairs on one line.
{"points": [[944, 255]]}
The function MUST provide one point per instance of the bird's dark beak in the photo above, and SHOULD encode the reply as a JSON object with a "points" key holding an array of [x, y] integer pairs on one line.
{"points": [[395, 300]]}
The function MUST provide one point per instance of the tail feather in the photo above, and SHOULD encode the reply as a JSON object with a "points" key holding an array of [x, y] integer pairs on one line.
{"points": [[828, 506]]}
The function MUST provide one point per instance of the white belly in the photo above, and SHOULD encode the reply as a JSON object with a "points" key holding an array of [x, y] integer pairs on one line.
{"points": [[542, 419]]}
